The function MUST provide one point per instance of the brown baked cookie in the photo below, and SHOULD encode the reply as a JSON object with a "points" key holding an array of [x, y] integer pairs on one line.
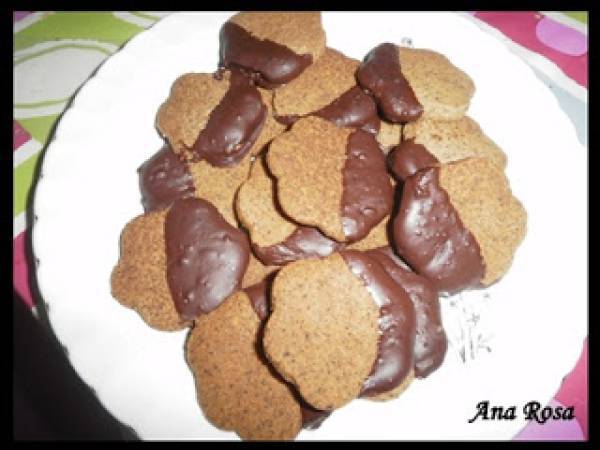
{"points": [[275, 239], [189, 249], [165, 178], [236, 388], [256, 272], [331, 178], [459, 224], [275, 47], [408, 83], [428, 142], [340, 327], [217, 118], [430, 340], [327, 89], [389, 135], [139, 279]]}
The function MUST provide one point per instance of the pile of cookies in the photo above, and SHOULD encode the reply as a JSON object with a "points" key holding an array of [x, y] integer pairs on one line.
{"points": [[304, 217]]}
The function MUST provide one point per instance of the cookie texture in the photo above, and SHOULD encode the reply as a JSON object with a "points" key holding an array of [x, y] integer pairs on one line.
{"points": [[389, 135], [451, 140], [309, 176], [301, 32], [322, 334], [139, 280], [218, 118], [481, 194], [219, 185], [256, 272], [257, 210], [274, 48], [441, 88], [339, 185], [236, 388], [319, 85]]}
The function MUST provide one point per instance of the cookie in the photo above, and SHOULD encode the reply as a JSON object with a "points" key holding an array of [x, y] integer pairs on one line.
{"points": [[206, 257], [331, 178], [256, 272], [275, 47], [322, 333], [428, 142], [377, 237], [409, 83], [236, 388], [217, 118], [459, 224], [327, 89], [340, 328], [179, 262], [389, 135], [430, 340], [442, 89], [275, 239], [164, 178], [139, 279]]}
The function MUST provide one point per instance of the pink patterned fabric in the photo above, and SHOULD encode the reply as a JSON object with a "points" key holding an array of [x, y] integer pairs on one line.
{"points": [[574, 390], [522, 28], [20, 136], [20, 275], [18, 15]]}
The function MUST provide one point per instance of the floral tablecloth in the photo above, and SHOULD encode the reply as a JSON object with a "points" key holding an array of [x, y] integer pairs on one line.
{"points": [[55, 52]]}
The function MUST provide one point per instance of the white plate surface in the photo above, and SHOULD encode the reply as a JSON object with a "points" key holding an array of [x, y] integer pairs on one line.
{"points": [[533, 321]]}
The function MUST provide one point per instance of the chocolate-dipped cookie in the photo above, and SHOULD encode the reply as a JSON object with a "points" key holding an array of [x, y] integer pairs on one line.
{"points": [[217, 118], [340, 328], [327, 89], [409, 83], [275, 239], [430, 340], [459, 224], [274, 47], [164, 178], [188, 248], [331, 178], [139, 279], [236, 388], [428, 142]]}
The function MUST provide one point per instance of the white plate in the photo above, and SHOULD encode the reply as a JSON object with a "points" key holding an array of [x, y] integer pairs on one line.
{"points": [[534, 320]]}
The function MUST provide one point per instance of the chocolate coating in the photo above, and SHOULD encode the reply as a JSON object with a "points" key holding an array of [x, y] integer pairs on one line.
{"points": [[206, 257], [408, 158], [233, 125], [312, 418], [367, 195], [304, 242], [381, 74], [257, 293], [429, 235], [164, 178], [273, 64], [353, 109], [397, 324], [430, 341]]}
